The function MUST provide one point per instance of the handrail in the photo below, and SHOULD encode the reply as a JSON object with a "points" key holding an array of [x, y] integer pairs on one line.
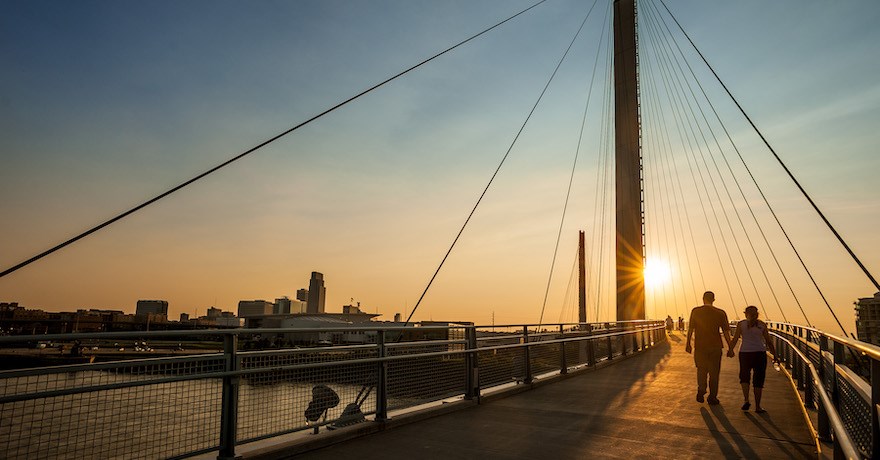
{"points": [[841, 437], [263, 331], [869, 349]]}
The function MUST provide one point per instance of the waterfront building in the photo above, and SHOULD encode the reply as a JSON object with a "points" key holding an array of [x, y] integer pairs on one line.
{"points": [[252, 308], [156, 307], [868, 319], [214, 313], [317, 293], [282, 306]]}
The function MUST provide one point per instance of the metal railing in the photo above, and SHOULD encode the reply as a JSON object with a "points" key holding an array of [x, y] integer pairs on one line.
{"points": [[839, 379], [170, 400]]}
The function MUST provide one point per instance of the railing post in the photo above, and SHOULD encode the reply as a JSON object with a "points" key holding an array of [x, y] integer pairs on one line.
{"points": [[527, 356], [610, 347], [635, 340], [381, 380], [472, 389], [875, 400], [563, 364], [591, 351], [838, 358], [824, 424], [229, 403], [798, 368]]}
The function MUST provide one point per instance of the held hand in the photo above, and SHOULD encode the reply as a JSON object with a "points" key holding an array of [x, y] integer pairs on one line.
{"points": [[730, 353], [687, 348]]}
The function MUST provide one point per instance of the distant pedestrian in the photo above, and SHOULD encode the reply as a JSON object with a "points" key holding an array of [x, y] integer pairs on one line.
{"points": [[753, 355], [680, 323], [668, 323], [708, 324]]}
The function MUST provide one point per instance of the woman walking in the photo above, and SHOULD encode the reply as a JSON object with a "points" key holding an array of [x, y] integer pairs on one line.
{"points": [[752, 355]]}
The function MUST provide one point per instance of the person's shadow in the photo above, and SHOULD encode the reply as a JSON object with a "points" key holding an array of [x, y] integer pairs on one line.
{"points": [[742, 449]]}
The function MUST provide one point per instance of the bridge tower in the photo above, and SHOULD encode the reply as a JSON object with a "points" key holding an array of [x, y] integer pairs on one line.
{"points": [[628, 166]]}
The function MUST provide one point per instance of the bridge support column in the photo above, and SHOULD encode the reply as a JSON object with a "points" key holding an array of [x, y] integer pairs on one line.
{"points": [[628, 167]]}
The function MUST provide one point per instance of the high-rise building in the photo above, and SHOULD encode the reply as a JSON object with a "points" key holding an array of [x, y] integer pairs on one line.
{"points": [[302, 294], [147, 307], [316, 293], [868, 319]]}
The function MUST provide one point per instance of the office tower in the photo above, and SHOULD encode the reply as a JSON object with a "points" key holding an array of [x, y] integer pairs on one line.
{"points": [[316, 293], [302, 294]]}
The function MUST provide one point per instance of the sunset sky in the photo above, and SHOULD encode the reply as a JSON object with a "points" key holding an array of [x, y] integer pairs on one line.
{"points": [[106, 104]]}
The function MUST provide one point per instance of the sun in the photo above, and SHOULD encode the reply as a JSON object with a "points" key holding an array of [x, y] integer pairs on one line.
{"points": [[657, 272]]}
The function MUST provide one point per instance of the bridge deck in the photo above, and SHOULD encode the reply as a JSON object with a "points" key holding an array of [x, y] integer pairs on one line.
{"points": [[640, 407]]}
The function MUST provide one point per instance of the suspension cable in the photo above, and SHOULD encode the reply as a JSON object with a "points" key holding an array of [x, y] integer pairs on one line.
{"points": [[577, 152], [257, 147], [670, 57], [730, 169], [494, 174], [775, 155], [816, 208]]}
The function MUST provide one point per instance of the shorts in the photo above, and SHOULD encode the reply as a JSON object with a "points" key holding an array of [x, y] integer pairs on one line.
{"points": [[753, 360]]}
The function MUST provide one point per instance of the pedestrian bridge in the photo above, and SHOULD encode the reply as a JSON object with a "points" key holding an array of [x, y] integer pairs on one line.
{"points": [[611, 389], [636, 408]]}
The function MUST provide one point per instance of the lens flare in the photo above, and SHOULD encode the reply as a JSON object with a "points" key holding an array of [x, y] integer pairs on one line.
{"points": [[657, 272]]}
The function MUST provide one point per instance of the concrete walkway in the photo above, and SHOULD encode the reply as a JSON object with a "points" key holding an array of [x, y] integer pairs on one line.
{"points": [[642, 407]]}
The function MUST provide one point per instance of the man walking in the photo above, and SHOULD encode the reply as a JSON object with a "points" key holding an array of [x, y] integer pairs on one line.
{"points": [[708, 323]]}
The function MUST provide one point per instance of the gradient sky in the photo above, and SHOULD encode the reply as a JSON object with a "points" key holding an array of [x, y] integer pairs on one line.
{"points": [[105, 104]]}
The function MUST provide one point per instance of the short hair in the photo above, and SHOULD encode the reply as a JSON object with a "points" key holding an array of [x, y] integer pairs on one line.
{"points": [[752, 308], [708, 296]]}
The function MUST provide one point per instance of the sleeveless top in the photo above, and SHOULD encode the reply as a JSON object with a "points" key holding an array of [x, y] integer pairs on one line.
{"points": [[752, 337]]}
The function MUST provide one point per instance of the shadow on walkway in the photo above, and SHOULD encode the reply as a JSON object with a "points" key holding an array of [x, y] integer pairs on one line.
{"points": [[640, 407]]}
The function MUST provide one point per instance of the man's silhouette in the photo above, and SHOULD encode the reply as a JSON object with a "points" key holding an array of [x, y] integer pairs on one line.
{"points": [[708, 323]]}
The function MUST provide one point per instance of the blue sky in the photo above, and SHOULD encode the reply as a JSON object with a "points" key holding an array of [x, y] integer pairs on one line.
{"points": [[104, 104]]}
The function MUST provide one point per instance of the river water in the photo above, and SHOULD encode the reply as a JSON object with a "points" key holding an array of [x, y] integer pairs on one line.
{"points": [[150, 421]]}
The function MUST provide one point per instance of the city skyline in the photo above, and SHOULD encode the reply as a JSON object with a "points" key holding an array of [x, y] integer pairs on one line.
{"points": [[100, 111]]}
